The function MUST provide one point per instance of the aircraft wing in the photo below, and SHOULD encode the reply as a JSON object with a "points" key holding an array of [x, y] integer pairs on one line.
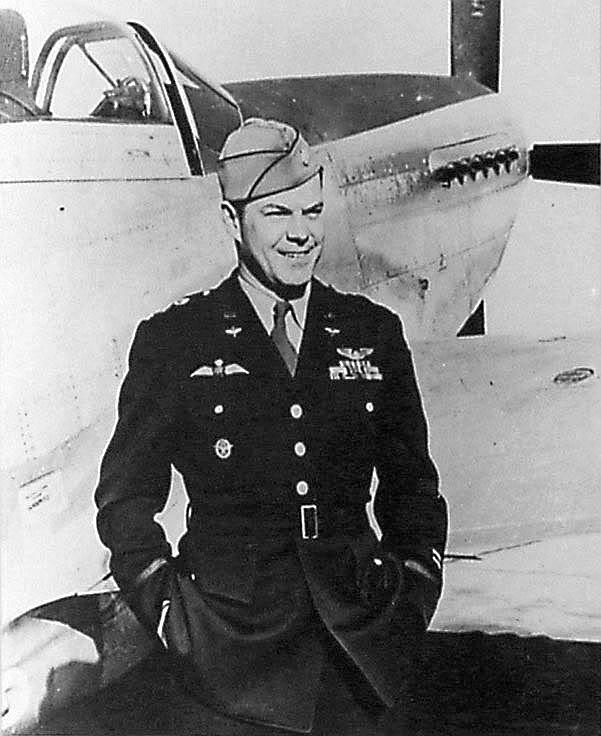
{"points": [[550, 587], [515, 427]]}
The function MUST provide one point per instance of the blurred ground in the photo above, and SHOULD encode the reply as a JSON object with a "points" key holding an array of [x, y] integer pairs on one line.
{"points": [[500, 685], [472, 684]]}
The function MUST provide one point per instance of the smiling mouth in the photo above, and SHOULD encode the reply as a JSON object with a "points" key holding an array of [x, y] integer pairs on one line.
{"points": [[293, 254]]}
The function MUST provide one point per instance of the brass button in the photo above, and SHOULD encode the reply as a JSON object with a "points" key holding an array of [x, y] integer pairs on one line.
{"points": [[302, 488], [296, 410], [300, 449], [369, 406], [218, 409]]}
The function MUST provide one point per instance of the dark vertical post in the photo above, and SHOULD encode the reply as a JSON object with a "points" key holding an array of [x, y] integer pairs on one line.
{"points": [[475, 324], [475, 40], [14, 64]]}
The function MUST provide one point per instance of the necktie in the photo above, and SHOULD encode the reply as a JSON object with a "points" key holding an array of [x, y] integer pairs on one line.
{"points": [[280, 337]]}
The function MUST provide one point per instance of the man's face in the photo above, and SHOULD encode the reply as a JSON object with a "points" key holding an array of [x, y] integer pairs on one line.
{"points": [[283, 234]]}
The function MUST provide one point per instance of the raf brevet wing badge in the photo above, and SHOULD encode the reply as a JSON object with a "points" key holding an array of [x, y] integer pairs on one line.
{"points": [[355, 366], [233, 331], [218, 369], [204, 370], [234, 368]]}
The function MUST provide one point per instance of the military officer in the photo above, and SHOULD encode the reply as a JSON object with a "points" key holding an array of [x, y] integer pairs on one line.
{"points": [[277, 398]]}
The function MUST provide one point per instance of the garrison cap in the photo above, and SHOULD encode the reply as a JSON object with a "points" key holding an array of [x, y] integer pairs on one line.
{"points": [[264, 157]]}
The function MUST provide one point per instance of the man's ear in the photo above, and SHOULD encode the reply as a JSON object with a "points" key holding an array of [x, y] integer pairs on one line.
{"points": [[231, 220]]}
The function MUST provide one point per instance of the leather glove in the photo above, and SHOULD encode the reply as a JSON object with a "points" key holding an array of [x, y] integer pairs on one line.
{"points": [[378, 575]]}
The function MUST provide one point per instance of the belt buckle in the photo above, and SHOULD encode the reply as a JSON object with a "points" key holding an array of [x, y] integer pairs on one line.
{"points": [[308, 514]]}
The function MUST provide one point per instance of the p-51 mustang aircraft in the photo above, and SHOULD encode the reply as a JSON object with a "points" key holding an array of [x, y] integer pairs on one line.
{"points": [[110, 211]]}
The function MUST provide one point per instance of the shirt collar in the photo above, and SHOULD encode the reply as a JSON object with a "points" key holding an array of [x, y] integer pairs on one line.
{"points": [[263, 299]]}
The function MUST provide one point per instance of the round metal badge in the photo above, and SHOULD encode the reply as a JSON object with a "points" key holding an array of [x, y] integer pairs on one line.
{"points": [[223, 448]]}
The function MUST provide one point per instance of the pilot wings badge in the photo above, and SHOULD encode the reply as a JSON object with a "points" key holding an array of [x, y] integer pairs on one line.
{"points": [[354, 353], [234, 368], [355, 366], [219, 369], [204, 370]]}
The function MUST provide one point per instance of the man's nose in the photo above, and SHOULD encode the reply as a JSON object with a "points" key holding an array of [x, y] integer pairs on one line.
{"points": [[297, 232], [299, 240]]}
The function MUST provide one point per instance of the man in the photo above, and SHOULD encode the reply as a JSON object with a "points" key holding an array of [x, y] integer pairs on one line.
{"points": [[275, 397]]}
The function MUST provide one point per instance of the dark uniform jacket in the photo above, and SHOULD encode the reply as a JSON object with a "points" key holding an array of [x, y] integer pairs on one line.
{"points": [[278, 473]]}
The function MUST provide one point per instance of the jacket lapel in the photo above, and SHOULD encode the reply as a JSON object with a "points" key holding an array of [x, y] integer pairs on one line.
{"points": [[244, 340], [245, 335], [315, 338]]}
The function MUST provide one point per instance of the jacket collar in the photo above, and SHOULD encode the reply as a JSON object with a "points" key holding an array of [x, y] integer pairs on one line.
{"points": [[249, 340]]}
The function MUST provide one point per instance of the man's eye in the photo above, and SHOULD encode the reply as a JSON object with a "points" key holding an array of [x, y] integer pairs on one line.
{"points": [[275, 213], [314, 211], [314, 214]]}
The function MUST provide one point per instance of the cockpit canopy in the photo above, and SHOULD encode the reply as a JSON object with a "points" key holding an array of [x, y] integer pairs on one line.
{"points": [[70, 64]]}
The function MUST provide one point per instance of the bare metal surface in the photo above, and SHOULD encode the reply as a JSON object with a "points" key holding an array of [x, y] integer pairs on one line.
{"points": [[550, 587]]}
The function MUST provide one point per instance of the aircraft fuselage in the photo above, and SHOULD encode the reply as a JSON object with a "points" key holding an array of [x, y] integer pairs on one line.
{"points": [[112, 213]]}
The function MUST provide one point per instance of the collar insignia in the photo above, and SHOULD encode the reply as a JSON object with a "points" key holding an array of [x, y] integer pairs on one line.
{"points": [[354, 353]]}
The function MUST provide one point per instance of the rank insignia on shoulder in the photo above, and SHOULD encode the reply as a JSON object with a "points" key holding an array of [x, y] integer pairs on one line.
{"points": [[233, 331], [352, 370], [218, 370], [177, 303], [181, 302], [354, 353]]}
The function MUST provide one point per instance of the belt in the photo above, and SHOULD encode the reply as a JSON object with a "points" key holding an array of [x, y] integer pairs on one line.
{"points": [[309, 523], [306, 522]]}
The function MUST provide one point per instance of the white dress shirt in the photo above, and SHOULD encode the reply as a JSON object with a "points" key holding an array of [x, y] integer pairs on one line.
{"points": [[263, 301]]}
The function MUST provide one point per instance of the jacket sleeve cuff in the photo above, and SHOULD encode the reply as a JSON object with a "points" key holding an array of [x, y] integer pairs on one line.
{"points": [[424, 587], [146, 593], [423, 579]]}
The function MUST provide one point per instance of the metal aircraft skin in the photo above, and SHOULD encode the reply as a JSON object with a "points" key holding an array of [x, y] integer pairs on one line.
{"points": [[110, 211]]}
